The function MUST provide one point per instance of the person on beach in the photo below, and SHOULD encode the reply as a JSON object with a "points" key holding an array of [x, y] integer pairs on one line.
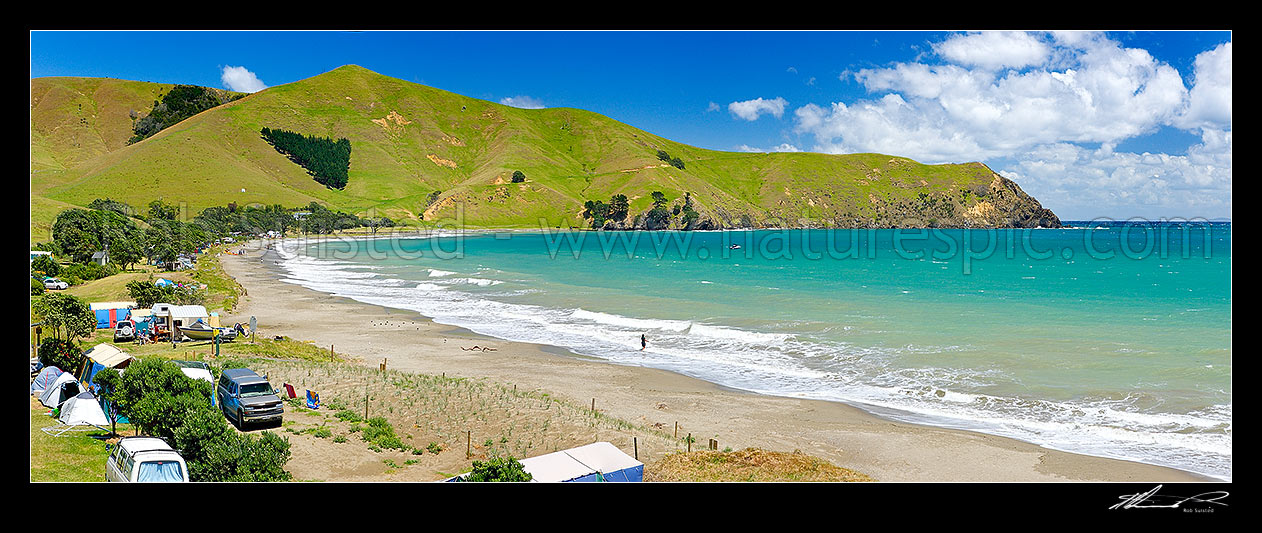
{"points": [[644, 342]]}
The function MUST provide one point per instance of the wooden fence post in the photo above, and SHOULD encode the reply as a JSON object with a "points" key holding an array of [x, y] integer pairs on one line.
{"points": [[636, 443], [689, 441]]}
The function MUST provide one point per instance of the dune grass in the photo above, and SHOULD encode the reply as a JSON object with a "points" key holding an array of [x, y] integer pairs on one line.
{"points": [[750, 464]]}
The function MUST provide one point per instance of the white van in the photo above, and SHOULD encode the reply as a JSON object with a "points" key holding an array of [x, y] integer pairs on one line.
{"points": [[145, 459]]}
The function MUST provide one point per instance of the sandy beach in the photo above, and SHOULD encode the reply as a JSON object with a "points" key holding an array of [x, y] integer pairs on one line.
{"points": [[844, 435]]}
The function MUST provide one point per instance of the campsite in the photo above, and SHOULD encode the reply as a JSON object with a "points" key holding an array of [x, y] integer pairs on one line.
{"points": [[371, 424]]}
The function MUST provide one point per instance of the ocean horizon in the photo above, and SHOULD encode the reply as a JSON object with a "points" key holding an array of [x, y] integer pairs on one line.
{"points": [[1103, 338]]}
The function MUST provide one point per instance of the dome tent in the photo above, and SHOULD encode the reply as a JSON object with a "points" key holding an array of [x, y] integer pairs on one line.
{"points": [[61, 389], [79, 413], [45, 378], [82, 410]]}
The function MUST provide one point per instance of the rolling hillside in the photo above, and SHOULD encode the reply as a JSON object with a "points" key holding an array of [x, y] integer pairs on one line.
{"points": [[423, 154]]}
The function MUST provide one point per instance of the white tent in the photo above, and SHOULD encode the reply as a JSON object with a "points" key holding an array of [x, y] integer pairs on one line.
{"points": [[79, 413], [57, 392], [83, 410], [598, 461]]}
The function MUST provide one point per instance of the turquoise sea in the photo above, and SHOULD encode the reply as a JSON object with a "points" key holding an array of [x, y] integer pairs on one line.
{"points": [[1109, 339]]}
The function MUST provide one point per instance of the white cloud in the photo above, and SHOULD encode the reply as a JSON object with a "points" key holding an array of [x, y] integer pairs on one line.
{"points": [[751, 109], [1195, 185], [1037, 107], [784, 147], [712, 107], [523, 102], [950, 113], [993, 50], [241, 80], [1210, 98]]}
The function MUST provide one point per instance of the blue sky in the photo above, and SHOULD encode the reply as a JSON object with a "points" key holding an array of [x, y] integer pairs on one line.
{"points": [[1115, 124]]}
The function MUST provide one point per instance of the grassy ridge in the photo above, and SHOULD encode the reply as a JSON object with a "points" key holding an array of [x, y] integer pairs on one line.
{"points": [[410, 140]]}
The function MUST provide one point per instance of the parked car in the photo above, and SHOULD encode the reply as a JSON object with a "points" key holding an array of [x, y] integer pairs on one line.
{"points": [[246, 397], [125, 330], [54, 283], [145, 459]]}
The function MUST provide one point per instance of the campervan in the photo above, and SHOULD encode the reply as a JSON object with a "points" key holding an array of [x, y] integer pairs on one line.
{"points": [[145, 459]]}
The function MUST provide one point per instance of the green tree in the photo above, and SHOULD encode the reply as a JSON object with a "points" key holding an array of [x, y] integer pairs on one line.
{"points": [[690, 214], [127, 252], [77, 234], [46, 265], [327, 161], [518, 177], [156, 396], [66, 316], [619, 207], [163, 211], [498, 469], [597, 211]]}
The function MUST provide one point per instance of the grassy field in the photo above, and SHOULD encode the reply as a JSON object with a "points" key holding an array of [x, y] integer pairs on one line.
{"points": [[76, 456]]}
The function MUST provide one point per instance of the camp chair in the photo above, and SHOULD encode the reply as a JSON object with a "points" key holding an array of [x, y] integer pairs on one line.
{"points": [[313, 400], [289, 390]]}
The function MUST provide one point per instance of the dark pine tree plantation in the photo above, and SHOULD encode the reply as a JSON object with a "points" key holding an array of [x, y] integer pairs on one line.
{"points": [[325, 159]]}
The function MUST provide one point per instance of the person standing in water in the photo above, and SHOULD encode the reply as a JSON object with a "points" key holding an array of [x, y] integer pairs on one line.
{"points": [[644, 342]]}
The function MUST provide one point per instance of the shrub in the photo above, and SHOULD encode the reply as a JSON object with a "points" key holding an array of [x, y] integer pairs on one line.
{"points": [[45, 265], [434, 447], [161, 401], [37, 287], [62, 354], [346, 415], [90, 271], [518, 176], [380, 433], [145, 293], [498, 469]]}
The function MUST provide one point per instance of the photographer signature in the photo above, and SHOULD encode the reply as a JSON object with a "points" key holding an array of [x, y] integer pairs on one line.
{"points": [[1150, 500]]}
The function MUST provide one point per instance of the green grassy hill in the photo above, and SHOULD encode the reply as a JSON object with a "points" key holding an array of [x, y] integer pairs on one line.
{"points": [[409, 141]]}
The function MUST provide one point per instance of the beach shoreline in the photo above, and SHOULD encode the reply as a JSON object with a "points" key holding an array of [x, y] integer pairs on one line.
{"points": [[845, 435]]}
